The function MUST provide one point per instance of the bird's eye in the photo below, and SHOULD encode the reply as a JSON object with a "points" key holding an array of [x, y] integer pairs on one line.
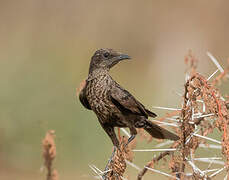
{"points": [[106, 54]]}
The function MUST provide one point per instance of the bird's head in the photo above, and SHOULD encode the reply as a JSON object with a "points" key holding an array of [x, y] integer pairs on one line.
{"points": [[105, 59]]}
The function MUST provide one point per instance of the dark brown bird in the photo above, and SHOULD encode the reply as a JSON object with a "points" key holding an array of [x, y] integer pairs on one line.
{"points": [[113, 105]]}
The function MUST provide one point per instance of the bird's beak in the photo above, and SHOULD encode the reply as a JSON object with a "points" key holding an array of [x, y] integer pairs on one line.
{"points": [[119, 57], [123, 56]]}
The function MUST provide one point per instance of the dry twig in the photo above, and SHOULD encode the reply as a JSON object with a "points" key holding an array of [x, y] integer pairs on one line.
{"points": [[49, 154]]}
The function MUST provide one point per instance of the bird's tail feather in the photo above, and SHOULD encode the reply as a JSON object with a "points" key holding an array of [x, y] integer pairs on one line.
{"points": [[158, 132]]}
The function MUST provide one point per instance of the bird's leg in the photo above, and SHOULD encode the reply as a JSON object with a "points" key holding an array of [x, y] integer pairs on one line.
{"points": [[110, 160], [133, 133], [107, 166], [111, 133], [130, 139]]}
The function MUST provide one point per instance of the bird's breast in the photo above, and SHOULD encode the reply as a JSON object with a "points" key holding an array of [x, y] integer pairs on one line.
{"points": [[98, 96]]}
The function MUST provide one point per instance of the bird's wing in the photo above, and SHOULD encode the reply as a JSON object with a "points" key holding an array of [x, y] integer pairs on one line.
{"points": [[126, 103], [83, 98]]}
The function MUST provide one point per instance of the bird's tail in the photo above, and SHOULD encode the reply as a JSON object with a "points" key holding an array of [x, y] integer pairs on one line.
{"points": [[158, 132]]}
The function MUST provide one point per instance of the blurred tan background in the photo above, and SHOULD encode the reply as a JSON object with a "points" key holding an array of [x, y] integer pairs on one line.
{"points": [[45, 49]]}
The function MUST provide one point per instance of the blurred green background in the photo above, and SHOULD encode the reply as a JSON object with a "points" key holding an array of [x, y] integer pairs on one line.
{"points": [[45, 49]]}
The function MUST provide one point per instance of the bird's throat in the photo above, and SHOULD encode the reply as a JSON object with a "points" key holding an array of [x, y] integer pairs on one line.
{"points": [[96, 73]]}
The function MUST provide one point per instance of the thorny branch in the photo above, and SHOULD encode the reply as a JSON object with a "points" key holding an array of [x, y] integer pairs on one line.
{"points": [[151, 163], [197, 117]]}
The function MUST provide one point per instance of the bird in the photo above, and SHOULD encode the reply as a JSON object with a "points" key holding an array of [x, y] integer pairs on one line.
{"points": [[113, 105]]}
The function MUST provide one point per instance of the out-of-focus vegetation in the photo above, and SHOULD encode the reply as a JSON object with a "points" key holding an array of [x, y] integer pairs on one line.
{"points": [[45, 49]]}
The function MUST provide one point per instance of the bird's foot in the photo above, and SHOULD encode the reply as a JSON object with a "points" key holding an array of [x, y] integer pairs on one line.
{"points": [[108, 163]]}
